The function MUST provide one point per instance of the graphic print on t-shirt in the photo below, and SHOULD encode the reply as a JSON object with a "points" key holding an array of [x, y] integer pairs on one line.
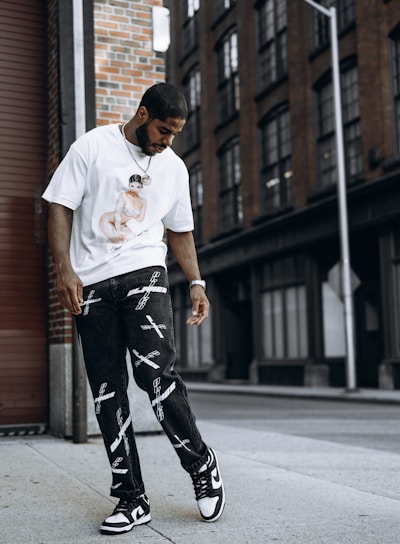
{"points": [[121, 224]]}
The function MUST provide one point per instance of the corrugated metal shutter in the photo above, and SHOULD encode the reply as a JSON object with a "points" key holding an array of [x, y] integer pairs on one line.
{"points": [[23, 145]]}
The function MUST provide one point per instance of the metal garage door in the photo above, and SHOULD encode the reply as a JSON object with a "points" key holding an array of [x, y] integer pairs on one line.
{"points": [[23, 146]]}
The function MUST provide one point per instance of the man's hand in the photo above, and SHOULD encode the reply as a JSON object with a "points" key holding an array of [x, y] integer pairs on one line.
{"points": [[70, 291], [200, 306]]}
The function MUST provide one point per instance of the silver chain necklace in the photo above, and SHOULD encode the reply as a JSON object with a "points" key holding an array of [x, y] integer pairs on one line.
{"points": [[146, 179]]}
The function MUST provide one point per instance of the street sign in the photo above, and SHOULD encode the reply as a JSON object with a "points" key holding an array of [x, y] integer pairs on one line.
{"points": [[335, 280]]}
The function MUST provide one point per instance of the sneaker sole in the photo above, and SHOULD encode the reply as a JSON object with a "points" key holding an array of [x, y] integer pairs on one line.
{"points": [[105, 530]]}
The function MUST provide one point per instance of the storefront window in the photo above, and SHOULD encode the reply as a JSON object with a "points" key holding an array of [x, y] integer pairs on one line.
{"points": [[284, 311], [193, 344], [199, 349], [297, 323]]}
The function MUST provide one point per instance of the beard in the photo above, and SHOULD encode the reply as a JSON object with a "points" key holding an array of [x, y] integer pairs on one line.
{"points": [[142, 137]]}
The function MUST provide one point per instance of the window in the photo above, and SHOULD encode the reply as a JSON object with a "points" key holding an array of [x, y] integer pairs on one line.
{"points": [[272, 42], [276, 151], [230, 206], [320, 24], [227, 76], [345, 10], [199, 343], [221, 6], [192, 91], [190, 33], [196, 193], [346, 13], [284, 310], [326, 136], [193, 344], [326, 145], [351, 122], [395, 58]]}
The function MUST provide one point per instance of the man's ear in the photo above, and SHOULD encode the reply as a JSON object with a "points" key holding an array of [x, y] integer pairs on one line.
{"points": [[143, 114]]}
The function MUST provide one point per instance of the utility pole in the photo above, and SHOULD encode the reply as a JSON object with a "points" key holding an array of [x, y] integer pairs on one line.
{"points": [[342, 200], [78, 365]]}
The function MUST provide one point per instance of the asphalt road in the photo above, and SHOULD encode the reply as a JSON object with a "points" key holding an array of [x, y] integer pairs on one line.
{"points": [[375, 426]]}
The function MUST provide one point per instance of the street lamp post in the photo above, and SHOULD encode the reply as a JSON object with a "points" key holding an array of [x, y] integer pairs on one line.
{"points": [[343, 216]]}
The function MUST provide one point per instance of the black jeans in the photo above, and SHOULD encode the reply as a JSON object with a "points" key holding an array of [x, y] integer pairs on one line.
{"points": [[133, 311]]}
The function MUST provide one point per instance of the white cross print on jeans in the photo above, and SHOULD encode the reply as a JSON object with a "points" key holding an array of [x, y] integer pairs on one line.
{"points": [[90, 300]]}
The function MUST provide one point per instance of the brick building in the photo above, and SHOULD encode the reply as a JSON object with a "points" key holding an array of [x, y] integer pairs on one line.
{"points": [[259, 144], [67, 66], [260, 147]]}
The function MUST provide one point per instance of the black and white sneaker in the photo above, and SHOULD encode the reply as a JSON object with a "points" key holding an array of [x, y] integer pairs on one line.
{"points": [[126, 516], [209, 489]]}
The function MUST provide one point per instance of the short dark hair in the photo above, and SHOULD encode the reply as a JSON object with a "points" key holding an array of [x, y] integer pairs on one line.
{"points": [[163, 100], [136, 178]]}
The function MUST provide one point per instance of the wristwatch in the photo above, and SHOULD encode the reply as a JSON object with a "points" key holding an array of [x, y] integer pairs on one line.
{"points": [[198, 282]]}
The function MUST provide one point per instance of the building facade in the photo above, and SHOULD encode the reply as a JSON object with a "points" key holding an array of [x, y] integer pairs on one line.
{"points": [[260, 148]]}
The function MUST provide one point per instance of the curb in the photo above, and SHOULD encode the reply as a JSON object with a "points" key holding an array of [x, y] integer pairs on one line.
{"points": [[313, 393]]}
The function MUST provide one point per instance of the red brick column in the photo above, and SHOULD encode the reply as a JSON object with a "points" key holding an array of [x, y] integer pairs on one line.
{"points": [[125, 63]]}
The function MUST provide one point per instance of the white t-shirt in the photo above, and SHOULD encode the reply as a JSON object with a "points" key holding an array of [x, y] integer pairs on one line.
{"points": [[118, 224]]}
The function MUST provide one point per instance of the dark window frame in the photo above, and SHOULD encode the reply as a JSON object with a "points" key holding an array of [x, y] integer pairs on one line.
{"points": [[190, 25], [276, 179], [272, 56], [325, 127], [227, 76], [197, 193], [192, 91], [230, 204], [394, 38], [320, 25], [277, 279]]}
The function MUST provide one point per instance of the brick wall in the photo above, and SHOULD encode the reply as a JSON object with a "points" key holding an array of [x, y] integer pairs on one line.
{"points": [[125, 63], [60, 322]]}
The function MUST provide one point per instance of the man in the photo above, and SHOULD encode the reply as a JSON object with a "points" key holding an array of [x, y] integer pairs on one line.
{"points": [[109, 253]]}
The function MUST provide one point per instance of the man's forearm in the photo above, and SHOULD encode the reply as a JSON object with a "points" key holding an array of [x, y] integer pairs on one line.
{"points": [[182, 245], [69, 285], [59, 231]]}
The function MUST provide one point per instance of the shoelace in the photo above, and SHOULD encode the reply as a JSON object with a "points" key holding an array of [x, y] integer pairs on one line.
{"points": [[125, 506], [201, 483]]}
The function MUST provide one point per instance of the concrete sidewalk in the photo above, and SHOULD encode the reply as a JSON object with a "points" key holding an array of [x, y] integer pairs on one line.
{"points": [[280, 488]]}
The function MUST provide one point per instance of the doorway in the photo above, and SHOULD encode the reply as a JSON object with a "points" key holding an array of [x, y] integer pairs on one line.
{"points": [[236, 344], [367, 308]]}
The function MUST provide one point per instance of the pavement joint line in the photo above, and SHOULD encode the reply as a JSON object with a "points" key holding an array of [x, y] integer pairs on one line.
{"points": [[316, 478], [160, 533]]}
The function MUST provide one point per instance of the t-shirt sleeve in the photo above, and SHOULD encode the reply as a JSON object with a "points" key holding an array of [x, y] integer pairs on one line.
{"points": [[180, 216], [67, 185]]}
